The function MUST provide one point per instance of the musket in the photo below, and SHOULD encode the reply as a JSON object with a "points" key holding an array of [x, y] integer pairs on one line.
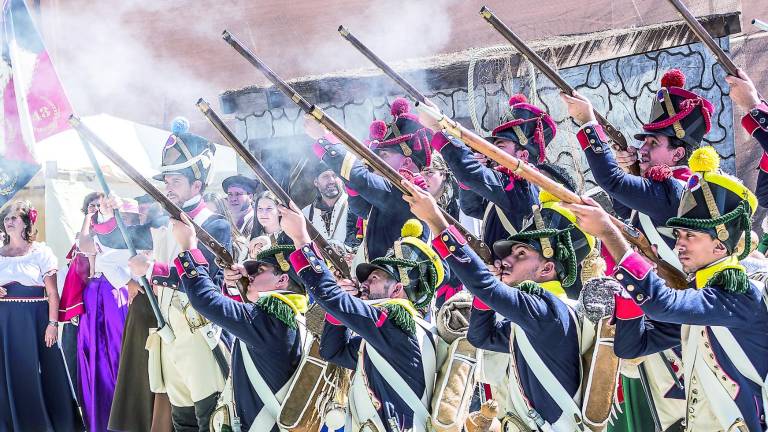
{"points": [[616, 136], [354, 145], [337, 261], [703, 35], [165, 331], [645, 383], [673, 276], [223, 256]]}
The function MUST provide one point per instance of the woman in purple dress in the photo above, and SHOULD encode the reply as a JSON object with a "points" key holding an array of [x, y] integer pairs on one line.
{"points": [[105, 299], [35, 392]]}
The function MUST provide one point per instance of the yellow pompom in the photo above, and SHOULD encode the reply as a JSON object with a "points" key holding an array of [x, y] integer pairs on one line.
{"points": [[545, 197], [704, 159], [412, 228]]}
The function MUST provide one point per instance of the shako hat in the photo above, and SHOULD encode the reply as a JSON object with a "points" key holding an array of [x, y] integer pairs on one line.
{"points": [[404, 134], [528, 126]]}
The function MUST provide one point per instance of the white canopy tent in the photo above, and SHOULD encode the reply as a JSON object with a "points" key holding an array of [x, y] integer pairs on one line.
{"points": [[69, 176]]}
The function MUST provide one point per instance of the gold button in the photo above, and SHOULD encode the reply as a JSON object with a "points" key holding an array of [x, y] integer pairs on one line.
{"points": [[181, 255], [193, 272], [165, 283], [445, 237], [154, 281], [186, 264], [640, 297], [588, 130], [620, 276], [452, 248], [632, 288], [592, 141]]}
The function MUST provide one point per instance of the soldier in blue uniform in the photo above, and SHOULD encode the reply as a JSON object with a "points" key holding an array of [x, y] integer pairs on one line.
{"points": [[539, 328], [269, 344], [192, 367], [755, 122], [404, 145], [721, 319], [497, 196], [380, 335], [679, 120]]}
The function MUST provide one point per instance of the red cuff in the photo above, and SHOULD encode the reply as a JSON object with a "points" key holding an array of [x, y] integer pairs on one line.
{"points": [[463, 186], [749, 123], [626, 308], [332, 320], [351, 192], [439, 140], [104, 227], [441, 242], [583, 135], [298, 260], [161, 269], [764, 162], [479, 304], [636, 265]]}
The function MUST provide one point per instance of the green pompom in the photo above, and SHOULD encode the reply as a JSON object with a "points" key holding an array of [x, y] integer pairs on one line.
{"points": [[730, 280], [530, 287], [400, 317], [278, 309]]}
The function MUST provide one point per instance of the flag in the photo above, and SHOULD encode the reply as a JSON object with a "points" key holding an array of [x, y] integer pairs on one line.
{"points": [[35, 106]]}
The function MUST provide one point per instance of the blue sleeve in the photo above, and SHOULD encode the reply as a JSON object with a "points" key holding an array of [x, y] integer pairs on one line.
{"points": [[244, 321], [708, 306], [339, 346], [372, 187], [358, 207], [487, 332], [640, 336], [352, 312], [647, 196], [533, 313], [219, 229]]}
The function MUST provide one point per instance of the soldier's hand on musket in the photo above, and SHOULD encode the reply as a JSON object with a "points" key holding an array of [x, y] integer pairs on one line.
{"points": [[591, 218], [233, 275], [184, 233], [314, 129], [139, 264], [349, 286], [626, 158], [579, 107], [424, 207], [294, 225], [743, 91]]}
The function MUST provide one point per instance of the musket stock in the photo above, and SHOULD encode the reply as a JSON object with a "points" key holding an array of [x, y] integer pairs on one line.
{"points": [[337, 261], [352, 143], [616, 136], [223, 256]]}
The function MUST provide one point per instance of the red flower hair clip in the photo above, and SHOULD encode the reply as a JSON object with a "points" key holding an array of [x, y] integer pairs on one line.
{"points": [[32, 216]]}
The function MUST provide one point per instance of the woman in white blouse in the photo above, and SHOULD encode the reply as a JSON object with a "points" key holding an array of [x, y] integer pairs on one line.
{"points": [[35, 392]]}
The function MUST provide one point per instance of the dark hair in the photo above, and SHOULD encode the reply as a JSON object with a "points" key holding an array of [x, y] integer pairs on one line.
{"points": [[89, 199], [24, 208], [559, 174], [675, 143]]}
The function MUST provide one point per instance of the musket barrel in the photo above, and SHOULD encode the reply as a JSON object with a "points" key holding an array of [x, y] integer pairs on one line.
{"points": [[381, 64], [337, 261], [221, 253], [703, 35], [354, 145], [122, 227], [616, 136]]}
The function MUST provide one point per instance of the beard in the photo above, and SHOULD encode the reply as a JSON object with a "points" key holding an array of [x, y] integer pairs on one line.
{"points": [[330, 191]]}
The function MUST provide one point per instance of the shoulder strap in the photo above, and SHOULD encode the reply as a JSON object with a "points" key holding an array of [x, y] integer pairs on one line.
{"points": [[420, 410], [665, 252], [508, 227], [548, 380]]}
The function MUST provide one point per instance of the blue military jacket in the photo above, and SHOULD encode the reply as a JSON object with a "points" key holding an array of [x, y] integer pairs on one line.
{"points": [[482, 185], [663, 311], [543, 317], [352, 320], [388, 211], [755, 122], [657, 197], [274, 347]]}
